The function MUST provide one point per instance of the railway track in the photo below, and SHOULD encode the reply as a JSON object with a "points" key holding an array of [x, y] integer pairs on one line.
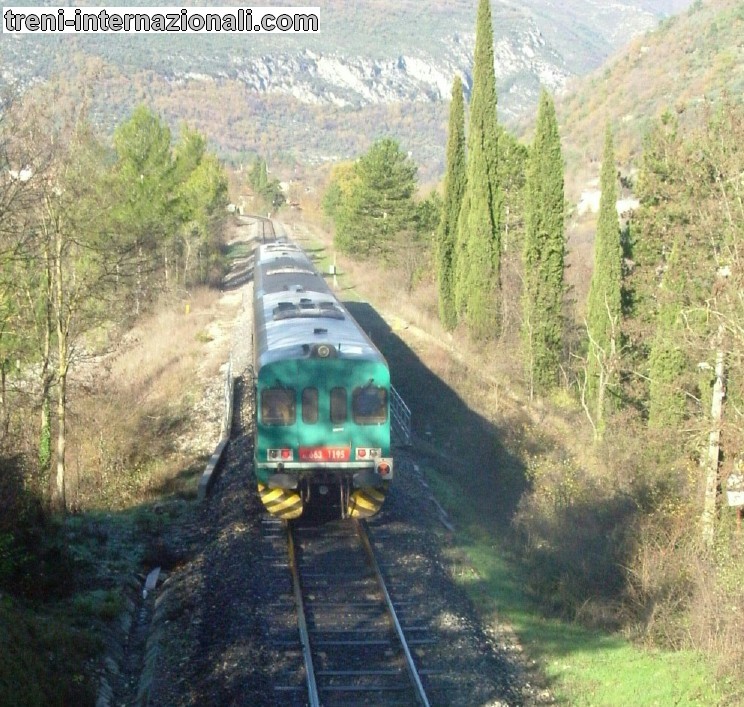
{"points": [[344, 640], [334, 641], [265, 229]]}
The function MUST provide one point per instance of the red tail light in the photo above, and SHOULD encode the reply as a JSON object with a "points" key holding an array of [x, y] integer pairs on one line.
{"points": [[280, 454], [362, 453], [383, 469]]}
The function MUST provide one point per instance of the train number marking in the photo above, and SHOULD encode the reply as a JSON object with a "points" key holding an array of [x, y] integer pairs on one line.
{"points": [[325, 454]]}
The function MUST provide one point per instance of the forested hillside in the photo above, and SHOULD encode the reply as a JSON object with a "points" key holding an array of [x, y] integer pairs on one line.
{"points": [[692, 59]]}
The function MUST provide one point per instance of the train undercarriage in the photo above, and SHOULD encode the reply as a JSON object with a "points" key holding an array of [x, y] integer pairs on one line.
{"points": [[323, 496]]}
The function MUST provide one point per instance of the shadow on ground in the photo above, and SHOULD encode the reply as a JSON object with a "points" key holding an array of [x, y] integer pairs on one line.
{"points": [[462, 442]]}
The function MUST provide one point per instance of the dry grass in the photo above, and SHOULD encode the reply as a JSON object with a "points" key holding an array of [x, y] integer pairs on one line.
{"points": [[128, 421]]}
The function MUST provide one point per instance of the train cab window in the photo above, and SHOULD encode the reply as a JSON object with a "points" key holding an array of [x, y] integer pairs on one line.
{"points": [[310, 406], [338, 405], [369, 405], [278, 406]]}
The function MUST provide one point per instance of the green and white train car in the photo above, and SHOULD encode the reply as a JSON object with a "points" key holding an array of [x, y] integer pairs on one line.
{"points": [[322, 427]]}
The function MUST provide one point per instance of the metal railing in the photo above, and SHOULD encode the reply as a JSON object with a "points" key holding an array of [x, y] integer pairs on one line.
{"points": [[401, 417]]}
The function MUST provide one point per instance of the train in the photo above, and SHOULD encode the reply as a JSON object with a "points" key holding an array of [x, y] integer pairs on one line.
{"points": [[322, 417]]}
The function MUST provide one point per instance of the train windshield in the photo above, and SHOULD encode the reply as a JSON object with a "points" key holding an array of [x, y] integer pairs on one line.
{"points": [[278, 406], [369, 405]]}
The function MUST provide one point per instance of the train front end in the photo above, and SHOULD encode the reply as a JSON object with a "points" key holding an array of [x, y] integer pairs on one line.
{"points": [[323, 433]]}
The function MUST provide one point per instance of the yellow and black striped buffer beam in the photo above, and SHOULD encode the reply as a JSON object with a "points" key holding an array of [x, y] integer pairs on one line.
{"points": [[365, 502], [282, 503]]}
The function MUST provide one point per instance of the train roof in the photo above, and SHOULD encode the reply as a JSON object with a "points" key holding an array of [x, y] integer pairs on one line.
{"points": [[296, 314]]}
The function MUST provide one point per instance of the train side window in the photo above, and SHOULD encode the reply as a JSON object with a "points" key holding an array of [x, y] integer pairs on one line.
{"points": [[369, 405], [278, 406], [338, 405], [310, 405]]}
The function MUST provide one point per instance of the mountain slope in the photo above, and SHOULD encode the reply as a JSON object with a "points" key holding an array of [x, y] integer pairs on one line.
{"points": [[685, 65], [371, 60], [689, 60]]}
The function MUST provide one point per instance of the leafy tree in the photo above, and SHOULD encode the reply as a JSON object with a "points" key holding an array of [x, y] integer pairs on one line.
{"points": [[544, 249], [338, 194], [258, 177], [87, 257], [81, 235], [662, 218], [687, 285], [172, 200], [17, 203], [201, 190], [512, 181], [478, 252], [415, 246], [454, 186], [605, 294], [428, 217], [269, 191], [187, 153]]}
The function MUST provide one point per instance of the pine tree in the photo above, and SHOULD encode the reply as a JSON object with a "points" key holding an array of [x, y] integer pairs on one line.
{"points": [[146, 180], [376, 202], [544, 251], [605, 293], [478, 250], [454, 186]]}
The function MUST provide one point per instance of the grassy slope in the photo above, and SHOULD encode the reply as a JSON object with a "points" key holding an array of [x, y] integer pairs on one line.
{"points": [[477, 477]]}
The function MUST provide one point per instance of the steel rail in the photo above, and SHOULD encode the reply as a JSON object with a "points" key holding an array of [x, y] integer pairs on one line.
{"points": [[312, 687], [421, 697]]}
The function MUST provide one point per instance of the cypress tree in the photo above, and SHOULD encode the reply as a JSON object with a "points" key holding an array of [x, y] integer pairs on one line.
{"points": [[667, 360], [478, 259], [605, 292], [454, 186], [544, 250]]}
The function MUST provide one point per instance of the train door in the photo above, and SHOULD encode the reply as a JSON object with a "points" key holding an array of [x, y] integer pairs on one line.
{"points": [[323, 431]]}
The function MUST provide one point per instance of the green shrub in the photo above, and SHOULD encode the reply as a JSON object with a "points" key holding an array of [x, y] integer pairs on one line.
{"points": [[7, 563], [99, 603]]}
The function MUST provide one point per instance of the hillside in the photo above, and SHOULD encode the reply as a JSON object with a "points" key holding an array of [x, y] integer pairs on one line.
{"points": [[686, 63], [689, 60], [313, 97]]}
